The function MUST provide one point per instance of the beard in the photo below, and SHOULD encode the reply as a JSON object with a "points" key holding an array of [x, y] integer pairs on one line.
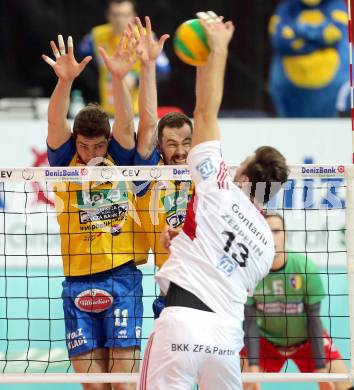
{"points": [[178, 160]]}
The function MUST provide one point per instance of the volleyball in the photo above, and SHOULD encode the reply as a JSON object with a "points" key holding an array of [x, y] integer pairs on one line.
{"points": [[190, 43]]}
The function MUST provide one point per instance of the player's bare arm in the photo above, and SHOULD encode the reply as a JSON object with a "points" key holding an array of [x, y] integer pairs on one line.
{"points": [[210, 78], [148, 50], [168, 235], [67, 69], [119, 65]]}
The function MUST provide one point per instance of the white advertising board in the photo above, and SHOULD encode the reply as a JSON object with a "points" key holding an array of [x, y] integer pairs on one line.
{"points": [[301, 141]]}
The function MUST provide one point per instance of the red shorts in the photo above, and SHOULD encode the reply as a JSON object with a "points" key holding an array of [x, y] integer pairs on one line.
{"points": [[272, 357]]}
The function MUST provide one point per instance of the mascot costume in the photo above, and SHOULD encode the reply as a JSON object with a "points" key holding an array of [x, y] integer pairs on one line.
{"points": [[310, 61]]}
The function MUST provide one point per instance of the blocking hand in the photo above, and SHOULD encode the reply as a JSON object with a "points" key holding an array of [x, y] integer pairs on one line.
{"points": [[65, 65], [124, 58], [147, 48], [218, 33]]}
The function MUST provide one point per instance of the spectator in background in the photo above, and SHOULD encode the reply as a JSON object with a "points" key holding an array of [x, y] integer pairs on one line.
{"points": [[282, 319], [119, 14], [310, 57]]}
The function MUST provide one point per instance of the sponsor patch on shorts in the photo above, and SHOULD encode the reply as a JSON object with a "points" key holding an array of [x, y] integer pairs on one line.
{"points": [[94, 300]]}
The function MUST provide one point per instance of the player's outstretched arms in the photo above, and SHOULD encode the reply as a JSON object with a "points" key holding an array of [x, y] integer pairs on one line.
{"points": [[210, 78], [148, 50], [67, 69], [119, 65]]}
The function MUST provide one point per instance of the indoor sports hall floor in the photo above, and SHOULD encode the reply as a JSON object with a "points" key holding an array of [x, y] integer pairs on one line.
{"points": [[27, 318]]}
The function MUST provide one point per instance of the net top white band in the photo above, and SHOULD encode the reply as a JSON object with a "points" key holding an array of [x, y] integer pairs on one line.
{"points": [[133, 378], [143, 173]]}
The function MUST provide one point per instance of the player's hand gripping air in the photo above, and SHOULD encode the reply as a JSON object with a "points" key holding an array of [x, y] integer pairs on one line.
{"points": [[147, 48], [65, 65], [124, 58]]}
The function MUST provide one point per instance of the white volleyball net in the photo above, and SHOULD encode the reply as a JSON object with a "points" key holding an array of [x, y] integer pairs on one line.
{"points": [[316, 203]]}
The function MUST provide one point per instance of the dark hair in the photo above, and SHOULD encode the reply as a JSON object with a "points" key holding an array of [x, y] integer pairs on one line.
{"points": [[269, 167], [109, 2], [276, 215], [172, 119], [91, 122]]}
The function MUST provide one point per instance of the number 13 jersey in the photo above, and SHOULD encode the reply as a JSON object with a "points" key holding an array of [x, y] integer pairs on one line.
{"points": [[226, 246]]}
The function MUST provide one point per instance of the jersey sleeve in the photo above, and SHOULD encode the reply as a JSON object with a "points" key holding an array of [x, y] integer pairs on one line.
{"points": [[153, 159], [314, 287], [120, 155], [206, 164], [61, 156], [141, 187]]}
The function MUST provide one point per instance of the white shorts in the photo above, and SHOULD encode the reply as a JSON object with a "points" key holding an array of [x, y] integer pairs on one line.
{"points": [[189, 346]]}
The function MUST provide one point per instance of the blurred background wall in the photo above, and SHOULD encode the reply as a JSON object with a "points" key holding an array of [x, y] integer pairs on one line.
{"points": [[27, 26]]}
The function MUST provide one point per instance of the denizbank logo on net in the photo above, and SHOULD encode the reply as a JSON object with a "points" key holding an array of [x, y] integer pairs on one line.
{"points": [[177, 173], [66, 172], [325, 171]]}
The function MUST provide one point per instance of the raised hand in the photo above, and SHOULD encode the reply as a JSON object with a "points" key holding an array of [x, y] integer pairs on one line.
{"points": [[147, 48], [65, 65], [218, 33], [124, 58]]}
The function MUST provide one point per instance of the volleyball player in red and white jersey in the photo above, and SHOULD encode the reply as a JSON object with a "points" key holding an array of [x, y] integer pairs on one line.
{"points": [[224, 250]]}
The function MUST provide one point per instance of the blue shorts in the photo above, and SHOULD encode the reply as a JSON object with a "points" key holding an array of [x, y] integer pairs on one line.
{"points": [[103, 310]]}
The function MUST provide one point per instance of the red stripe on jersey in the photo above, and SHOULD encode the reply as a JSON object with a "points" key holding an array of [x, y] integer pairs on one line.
{"points": [[261, 211], [190, 224], [144, 369], [222, 175], [221, 170], [224, 185]]}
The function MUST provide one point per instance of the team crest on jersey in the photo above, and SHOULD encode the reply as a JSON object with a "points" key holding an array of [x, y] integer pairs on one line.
{"points": [[296, 281], [206, 168], [115, 230], [227, 265]]}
